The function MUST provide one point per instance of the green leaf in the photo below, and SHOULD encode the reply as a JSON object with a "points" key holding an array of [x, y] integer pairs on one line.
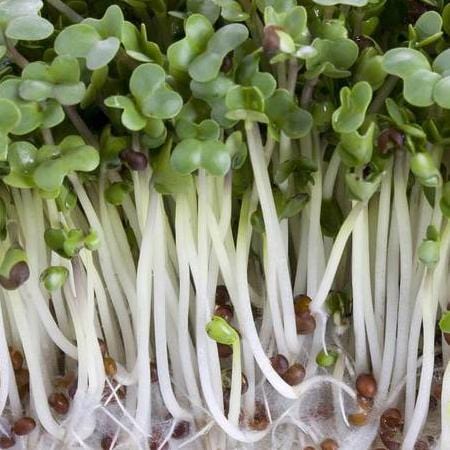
{"points": [[426, 80], [444, 323], [9, 115], [362, 189], [424, 168], [110, 25], [356, 149], [428, 24], [149, 88], [55, 162], [206, 66], [446, 19], [22, 161], [333, 58], [96, 41], [137, 45], [60, 80], [287, 116], [404, 62], [206, 8], [30, 113], [354, 103], [198, 31], [358, 3], [245, 103], [29, 28], [192, 154], [441, 64], [102, 53], [167, 180], [441, 93], [83, 35]]}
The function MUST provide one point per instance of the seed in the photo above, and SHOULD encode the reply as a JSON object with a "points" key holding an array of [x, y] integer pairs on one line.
{"points": [[388, 439], [225, 351], [224, 311], [305, 322], [358, 419], [110, 366], [153, 372], [280, 364], [329, 444], [366, 385], [391, 420], [222, 295], [301, 303], [16, 358], [18, 274], [309, 448], [295, 374], [326, 359], [107, 443], [436, 390], [271, 40], [260, 420], [181, 430], [388, 139], [22, 377], [421, 445], [7, 441], [156, 440], [24, 426], [59, 402], [134, 160]]}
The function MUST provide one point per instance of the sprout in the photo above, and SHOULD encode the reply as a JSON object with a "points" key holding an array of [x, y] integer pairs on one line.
{"points": [[169, 176]]}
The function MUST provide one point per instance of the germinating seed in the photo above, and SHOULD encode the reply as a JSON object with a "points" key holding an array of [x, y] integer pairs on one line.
{"points": [[24, 426]]}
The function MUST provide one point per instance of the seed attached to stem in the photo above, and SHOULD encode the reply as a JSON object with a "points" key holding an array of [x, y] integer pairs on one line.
{"points": [[134, 160], [224, 311], [222, 296], [24, 426], [59, 402], [280, 364], [305, 322], [366, 385], [301, 303], [106, 443], [7, 442], [260, 420], [295, 374], [225, 351], [181, 430], [391, 420]]}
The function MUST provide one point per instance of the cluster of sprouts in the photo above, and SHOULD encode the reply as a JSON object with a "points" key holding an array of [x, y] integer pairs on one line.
{"points": [[225, 224]]}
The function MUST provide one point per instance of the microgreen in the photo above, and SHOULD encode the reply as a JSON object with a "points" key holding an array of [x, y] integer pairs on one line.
{"points": [[97, 41], [211, 209]]}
